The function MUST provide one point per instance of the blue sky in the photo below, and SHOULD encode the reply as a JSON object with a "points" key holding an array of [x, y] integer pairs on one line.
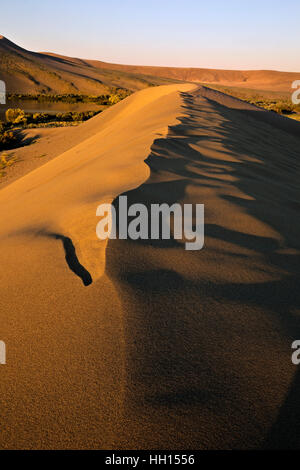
{"points": [[232, 34]]}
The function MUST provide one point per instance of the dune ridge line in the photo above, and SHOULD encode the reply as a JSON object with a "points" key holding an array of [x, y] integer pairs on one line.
{"points": [[60, 198]]}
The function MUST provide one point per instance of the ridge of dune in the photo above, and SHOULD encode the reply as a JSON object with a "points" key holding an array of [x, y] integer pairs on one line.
{"points": [[60, 198], [205, 336]]}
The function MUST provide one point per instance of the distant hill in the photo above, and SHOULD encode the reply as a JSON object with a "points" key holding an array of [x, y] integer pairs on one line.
{"points": [[256, 79], [30, 72]]}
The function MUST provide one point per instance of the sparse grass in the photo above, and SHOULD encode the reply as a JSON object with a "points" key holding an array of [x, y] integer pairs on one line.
{"points": [[18, 118], [296, 117], [53, 124], [72, 98], [6, 161], [41, 156], [7, 138], [277, 102]]}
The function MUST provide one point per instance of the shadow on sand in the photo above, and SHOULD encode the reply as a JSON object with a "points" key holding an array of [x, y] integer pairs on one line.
{"points": [[72, 260], [174, 325]]}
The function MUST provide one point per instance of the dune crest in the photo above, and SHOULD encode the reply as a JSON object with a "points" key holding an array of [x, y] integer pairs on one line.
{"points": [[203, 337], [60, 199]]}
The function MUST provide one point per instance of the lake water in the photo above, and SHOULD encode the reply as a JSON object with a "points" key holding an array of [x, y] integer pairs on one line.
{"points": [[33, 106]]}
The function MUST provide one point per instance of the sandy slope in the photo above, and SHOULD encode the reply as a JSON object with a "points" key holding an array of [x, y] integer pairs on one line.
{"points": [[30, 72], [169, 348], [255, 79], [49, 326], [38, 146]]}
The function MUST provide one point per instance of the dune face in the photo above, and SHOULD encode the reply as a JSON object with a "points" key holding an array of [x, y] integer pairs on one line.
{"points": [[49, 219], [30, 72], [142, 344], [108, 162]]}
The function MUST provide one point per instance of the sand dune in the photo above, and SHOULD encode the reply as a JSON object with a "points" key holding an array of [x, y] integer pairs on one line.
{"points": [[165, 348], [61, 197], [46, 215]]}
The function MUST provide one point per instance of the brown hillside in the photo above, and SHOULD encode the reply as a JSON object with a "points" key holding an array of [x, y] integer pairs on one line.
{"points": [[30, 72]]}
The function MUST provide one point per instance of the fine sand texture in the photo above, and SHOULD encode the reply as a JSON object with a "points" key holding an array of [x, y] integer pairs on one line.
{"points": [[141, 344]]}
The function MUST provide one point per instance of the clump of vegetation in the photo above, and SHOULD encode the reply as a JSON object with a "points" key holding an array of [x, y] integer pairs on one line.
{"points": [[59, 119], [114, 99], [106, 100], [7, 138], [271, 101], [280, 107], [295, 116], [5, 162], [18, 118]]}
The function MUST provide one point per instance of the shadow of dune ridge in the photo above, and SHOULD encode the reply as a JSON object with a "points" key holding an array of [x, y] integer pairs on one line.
{"points": [[209, 333]]}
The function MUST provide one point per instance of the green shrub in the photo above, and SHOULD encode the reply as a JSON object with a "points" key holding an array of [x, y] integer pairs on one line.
{"points": [[5, 162], [15, 116], [281, 107], [7, 138], [114, 99], [71, 98]]}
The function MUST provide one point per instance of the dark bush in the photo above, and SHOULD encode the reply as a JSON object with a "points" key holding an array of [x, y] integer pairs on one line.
{"points": [[7, 138]]}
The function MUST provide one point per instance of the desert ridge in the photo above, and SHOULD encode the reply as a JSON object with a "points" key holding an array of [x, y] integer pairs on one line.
{"points": [[61, 197]]}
